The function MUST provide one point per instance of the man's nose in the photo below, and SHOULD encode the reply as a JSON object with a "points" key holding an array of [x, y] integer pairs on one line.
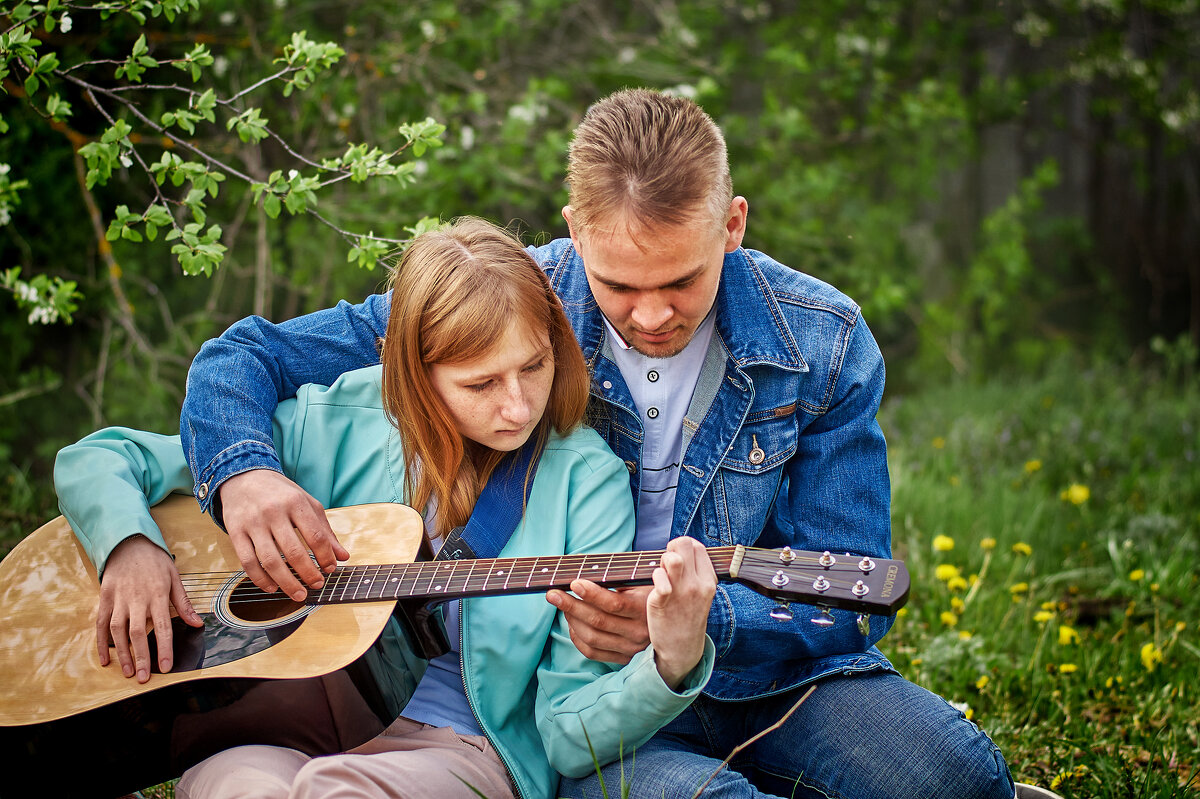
{"points": [[650, 313]]}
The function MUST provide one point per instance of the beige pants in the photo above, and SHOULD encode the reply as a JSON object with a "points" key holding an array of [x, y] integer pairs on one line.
{"points": [[405, 761]]}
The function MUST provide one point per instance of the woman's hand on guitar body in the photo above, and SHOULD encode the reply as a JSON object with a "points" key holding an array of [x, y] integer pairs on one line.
{"points": [[139, 588], [272, 524]]}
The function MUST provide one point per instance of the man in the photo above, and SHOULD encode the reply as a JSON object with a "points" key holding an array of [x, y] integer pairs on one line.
{"points": [[742, 397]]}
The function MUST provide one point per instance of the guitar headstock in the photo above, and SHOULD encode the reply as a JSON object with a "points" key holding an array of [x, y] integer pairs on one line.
{"points": [[851, 582]]}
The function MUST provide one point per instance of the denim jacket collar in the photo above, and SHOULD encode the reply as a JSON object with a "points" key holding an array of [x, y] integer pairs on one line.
{"points": [[751, 338]]}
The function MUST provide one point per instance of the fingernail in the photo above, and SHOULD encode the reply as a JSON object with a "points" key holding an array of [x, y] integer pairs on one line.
{"points": [[142, 675], [164, 665], [127, 671]]}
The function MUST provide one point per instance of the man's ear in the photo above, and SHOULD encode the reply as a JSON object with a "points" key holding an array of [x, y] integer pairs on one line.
{"points": [[566, 215], [735, 223]]}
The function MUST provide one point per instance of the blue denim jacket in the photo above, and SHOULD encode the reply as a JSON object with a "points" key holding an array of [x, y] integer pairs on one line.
{"points": [[792, 369]]}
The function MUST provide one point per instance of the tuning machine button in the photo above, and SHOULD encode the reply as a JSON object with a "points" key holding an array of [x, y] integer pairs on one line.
{"points": [[826, 559], [786, 555], [782, 612], [866, 565], [860, 589], [823, 619], [821, 585]]}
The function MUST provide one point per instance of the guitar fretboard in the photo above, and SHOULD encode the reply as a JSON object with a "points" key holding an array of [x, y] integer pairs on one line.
{"points": [[460, 579]]}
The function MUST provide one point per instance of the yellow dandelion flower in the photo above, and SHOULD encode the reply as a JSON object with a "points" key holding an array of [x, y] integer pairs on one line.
{"points": [[1137, 575], [1180, 626], [948, 618], [965, 635], [1050, 605], [969, 713], [943, 543], [917, 661], [1151, 655], [972, 579], [1019, 588], [1067, 635], [901, 613], [1076, 494], [1108, 683], [957, 605], [1067, 668], [956, 583], [1032, 466], [954, 481], [1043, 616], [1021, 548], [945, 571], [982, 682], [1154, 588], [939, 443], [1058, 780], [988, 544]]}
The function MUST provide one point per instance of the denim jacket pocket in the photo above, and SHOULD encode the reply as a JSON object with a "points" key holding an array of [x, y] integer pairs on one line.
{"points": [[764, 444]]}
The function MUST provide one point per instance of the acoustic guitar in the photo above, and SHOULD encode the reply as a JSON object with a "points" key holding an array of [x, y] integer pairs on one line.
{"points": [[74, 728]]}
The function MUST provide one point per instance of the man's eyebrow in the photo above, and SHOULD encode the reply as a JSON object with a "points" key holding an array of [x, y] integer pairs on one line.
{"points": [[680, 281]]}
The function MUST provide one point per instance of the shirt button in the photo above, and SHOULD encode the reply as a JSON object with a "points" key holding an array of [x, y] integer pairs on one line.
{"points": [[607, 384], [652, 413], [652, 376], [202, 492]]}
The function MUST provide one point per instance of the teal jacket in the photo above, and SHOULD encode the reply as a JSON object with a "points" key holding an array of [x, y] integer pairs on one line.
{"points": [[532, 691]]}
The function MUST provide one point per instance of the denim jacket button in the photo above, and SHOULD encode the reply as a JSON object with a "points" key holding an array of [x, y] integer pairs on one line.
{"points": [[202, 492], [631, 466], [757, 456]]}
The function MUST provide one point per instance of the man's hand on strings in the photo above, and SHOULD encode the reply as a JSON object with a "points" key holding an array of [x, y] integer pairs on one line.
{"points": [[273, 524], [140, 586]]}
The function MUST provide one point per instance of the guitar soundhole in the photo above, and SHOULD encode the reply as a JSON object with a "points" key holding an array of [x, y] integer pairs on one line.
{"points": [[249, 603], [240, 604]]}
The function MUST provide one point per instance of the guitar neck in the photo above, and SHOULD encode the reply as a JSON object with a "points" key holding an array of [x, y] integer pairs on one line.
{"points": [[463, 579]]}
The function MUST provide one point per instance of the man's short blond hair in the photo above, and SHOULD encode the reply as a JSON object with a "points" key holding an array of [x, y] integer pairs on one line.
{"points": [[646, 159]]}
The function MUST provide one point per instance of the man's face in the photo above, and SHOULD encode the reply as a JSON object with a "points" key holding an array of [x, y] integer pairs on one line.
{"points": [[657, 284]]}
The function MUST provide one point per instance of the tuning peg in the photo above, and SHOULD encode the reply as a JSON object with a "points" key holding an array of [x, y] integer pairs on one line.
{"points": [[823, 619], [864, 624], [782, 612]]}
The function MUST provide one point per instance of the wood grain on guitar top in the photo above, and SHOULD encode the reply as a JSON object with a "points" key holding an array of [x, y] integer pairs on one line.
{"points": [[49, 591]]}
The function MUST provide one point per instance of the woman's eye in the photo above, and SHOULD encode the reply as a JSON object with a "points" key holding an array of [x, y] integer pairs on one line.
{"points": [[480, 386], [534, 367]]}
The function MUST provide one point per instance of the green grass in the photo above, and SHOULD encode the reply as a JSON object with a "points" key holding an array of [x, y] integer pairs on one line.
{"points": [[1075, 638], [1095, 473]]}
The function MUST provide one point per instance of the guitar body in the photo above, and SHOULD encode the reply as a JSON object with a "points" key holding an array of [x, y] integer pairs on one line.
{"points": [[289, 675]]}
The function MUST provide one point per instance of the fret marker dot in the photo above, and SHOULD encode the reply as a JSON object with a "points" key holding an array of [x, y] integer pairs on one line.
{"points": [[500, 573], [437, 588], [595, 567], [545, 569]]}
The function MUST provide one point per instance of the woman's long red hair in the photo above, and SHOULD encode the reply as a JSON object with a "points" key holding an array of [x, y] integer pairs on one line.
{"points": [[454, 293]]}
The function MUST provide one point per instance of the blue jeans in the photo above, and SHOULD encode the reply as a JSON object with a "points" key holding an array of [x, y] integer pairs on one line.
{"points": [[873, 736]]}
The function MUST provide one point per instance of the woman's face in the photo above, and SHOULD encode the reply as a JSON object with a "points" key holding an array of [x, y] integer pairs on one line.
{"points": [[498, 398]]}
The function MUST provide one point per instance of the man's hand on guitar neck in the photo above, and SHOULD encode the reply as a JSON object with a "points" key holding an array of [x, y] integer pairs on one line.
{"points": [[272, 524], [613, 626], [139, 587]]}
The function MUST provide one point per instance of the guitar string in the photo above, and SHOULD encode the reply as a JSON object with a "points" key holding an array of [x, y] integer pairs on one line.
{"points": [[525, 568]]}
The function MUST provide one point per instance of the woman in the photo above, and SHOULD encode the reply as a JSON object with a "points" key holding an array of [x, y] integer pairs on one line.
{"points": [[477, 360]]}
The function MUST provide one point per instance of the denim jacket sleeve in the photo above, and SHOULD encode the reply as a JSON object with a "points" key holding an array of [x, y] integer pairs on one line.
{"points": [[238, 379], [835, 495]]}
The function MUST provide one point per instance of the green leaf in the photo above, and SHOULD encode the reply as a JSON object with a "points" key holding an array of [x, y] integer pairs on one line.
{"points": [[31, 84], [271, 205]]}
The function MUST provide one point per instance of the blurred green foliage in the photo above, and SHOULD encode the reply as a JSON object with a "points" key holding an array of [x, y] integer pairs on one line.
{"points": [[995, 184]]}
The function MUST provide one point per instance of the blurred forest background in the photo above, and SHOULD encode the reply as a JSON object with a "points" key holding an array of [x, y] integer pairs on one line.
{"points": [[997, 184], [1010, 190]]}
